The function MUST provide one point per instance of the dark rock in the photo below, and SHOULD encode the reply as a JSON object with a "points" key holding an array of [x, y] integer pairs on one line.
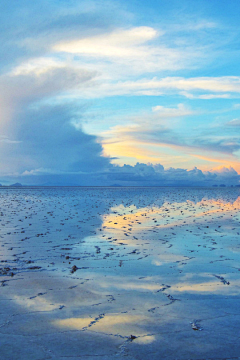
{"points": [[132, 337], [74, 268]]}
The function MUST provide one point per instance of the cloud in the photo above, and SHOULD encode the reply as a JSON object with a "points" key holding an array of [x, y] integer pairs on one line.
{"points": [[159, 120], [234, 122], [93, 35], [56, 54], [165, 112], [218, 143], [89, 36], [224, 84], [144, 132], [225, 172], [29, 29], [148, 133], [127, 51], [127, 175], [23, 88], [120, 43], [156, 175], [47, 139], [203, 88], [208, 96], [41, 136]]}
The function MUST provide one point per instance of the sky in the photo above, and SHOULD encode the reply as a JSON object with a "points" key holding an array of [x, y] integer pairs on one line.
{"points": [[120, 92]]}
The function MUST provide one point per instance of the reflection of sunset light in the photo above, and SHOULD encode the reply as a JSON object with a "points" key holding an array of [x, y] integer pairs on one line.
{"points": [[220, 204], [231, 206], [73, 323], [139, 219], [117, 221]]}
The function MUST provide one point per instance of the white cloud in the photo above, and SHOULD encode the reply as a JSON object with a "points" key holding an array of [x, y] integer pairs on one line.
{"points": [[120, 43], [234, 122], [207, 96], [37, 66], [165, 112], [129, 51], [224, 87], [213, 84], [148, 125]]}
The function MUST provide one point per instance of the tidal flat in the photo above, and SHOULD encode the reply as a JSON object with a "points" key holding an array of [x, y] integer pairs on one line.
{"points": [[119, 273]]}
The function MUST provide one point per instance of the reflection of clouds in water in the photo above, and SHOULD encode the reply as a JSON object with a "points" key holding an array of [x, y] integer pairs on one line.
{"points": [[47, 292], [150, 197], [135, 221], [212, 287], [130, 285], [157, 263], [234, 249], [144, 340], [117, 221], [140, 290], [73, 323], [120, 324], [40, 303], [162, 259], [226, 204]]}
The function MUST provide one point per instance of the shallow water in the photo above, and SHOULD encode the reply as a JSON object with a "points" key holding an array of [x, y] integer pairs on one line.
{"points": [[157, 273]]}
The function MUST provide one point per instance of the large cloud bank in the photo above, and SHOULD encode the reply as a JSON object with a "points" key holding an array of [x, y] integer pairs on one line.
{"points": [[127, 175], [156, 175]]}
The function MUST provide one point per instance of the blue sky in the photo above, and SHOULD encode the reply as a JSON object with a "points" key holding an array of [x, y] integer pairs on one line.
{"points": [[89, 89]]}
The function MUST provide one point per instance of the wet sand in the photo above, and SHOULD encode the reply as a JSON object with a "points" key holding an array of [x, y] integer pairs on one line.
{"points": [[119, 273]]}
